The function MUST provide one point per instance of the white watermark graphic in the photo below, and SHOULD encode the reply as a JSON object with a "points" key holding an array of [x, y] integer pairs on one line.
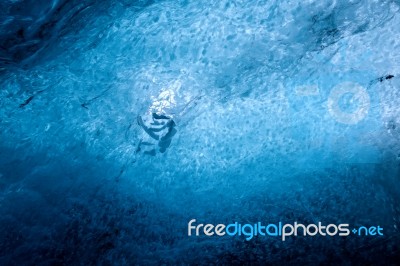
{"points": [[249, 231]]}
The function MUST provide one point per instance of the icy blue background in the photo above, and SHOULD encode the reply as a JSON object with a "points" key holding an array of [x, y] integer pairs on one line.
{"points": [[255, 141]]}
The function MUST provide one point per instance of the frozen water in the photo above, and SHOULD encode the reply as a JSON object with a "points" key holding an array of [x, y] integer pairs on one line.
{"points": [[234, 103]]}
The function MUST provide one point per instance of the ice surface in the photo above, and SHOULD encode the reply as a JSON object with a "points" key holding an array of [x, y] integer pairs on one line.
{"points": [[246, 84]]}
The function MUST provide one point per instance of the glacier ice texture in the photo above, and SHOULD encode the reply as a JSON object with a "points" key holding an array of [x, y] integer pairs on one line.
{"points": [[122, 120]]}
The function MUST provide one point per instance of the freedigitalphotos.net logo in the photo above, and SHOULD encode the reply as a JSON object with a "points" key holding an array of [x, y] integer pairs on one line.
{"points": [[280, 230]]}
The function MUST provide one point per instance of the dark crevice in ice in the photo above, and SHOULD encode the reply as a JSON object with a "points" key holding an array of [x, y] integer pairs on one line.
{"points": [[381, 79], [27, 101], [90, 101]]}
